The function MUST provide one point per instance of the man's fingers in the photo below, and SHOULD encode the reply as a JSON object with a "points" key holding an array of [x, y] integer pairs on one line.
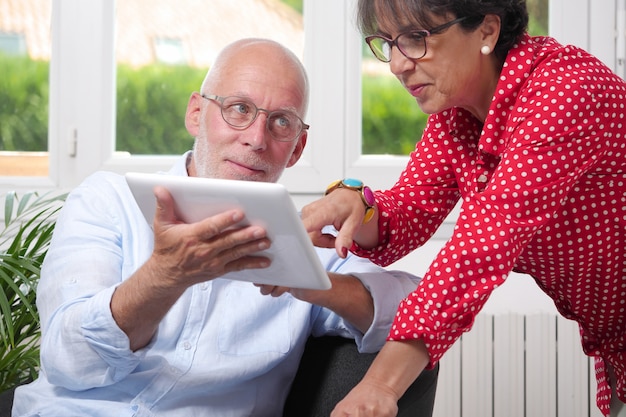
{"points": [[273, 290], [164, 206]]}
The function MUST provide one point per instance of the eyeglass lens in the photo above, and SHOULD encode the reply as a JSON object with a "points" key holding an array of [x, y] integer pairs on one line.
{"points": [[411, 44], [283, 125]]}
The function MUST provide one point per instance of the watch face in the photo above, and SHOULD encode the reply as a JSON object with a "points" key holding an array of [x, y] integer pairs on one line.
{"points": [[368, 194]]}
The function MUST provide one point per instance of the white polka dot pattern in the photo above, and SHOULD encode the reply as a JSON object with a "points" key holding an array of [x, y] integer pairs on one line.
{"points": [[543, 189]]}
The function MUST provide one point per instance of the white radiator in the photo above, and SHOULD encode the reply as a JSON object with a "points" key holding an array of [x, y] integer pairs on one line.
{"points": [[517, 365]]}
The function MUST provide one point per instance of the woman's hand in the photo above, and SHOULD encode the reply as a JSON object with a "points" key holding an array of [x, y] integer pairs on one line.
{"points": [[344, 210], [395, 368], [367, 400]]}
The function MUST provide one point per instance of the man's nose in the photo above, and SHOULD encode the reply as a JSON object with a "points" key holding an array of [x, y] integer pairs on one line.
{"points": [[257, 134]]}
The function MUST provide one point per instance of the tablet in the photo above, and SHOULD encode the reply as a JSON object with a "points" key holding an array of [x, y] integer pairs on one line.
{"points": [[294, 260]]}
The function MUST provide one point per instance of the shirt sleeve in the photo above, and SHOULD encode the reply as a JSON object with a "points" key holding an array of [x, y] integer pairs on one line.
{"points": [[387, 288], [82, 347]]}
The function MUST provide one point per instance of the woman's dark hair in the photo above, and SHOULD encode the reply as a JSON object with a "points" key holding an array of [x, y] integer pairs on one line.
{"points": [[513, 16]]}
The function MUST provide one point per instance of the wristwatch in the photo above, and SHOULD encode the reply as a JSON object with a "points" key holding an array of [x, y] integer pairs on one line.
{"points": [[367, 196]]}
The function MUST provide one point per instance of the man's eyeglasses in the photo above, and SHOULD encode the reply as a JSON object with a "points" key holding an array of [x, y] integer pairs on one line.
{"points": [[239, 112], [411, 44]]}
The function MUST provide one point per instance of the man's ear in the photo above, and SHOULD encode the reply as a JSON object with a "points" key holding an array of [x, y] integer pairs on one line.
{"points": [[192, 115], [299, 148]]}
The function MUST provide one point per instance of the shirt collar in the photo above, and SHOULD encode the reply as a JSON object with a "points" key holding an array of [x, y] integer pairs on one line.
{"points": [[180, 166], [515, 72]]}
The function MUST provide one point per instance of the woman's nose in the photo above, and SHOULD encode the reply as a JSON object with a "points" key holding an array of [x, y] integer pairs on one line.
{"points": [[400, 63]]}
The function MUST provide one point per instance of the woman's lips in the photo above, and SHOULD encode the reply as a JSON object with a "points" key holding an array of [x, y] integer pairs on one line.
{"points": [[416, 90]]}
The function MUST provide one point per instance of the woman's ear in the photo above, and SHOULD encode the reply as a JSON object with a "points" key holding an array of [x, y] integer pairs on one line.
{"points": [[490, 30], [193, 113]]}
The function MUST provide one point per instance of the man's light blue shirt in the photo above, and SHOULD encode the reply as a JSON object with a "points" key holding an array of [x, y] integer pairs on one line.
{"points": [[222, 350]]}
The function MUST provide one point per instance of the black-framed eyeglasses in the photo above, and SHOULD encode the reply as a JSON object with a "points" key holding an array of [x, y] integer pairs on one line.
{"points": [[240, 113], [412, 44]]}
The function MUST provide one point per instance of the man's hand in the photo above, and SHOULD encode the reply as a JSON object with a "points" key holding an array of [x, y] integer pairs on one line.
{"points": [[273, 290], [310, 296], [192, 253], [183, 255], [347, 297]]}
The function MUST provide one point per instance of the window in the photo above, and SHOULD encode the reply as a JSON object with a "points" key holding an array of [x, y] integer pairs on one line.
{"points": [[169, 51], [24, 92], [12, 44], [84, 109]]}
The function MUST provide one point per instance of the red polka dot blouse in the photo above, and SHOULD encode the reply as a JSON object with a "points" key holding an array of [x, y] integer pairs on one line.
{"points": [[543, 190]]}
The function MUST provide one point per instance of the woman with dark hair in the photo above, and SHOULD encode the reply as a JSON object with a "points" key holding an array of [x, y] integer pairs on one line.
{"points": [[530, 136]]}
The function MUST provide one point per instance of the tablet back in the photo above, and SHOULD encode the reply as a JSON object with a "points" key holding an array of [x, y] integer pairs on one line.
{"points": [[294, 260]]}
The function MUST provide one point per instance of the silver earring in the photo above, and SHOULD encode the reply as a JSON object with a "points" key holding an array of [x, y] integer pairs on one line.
{"points": [[485, 50]]}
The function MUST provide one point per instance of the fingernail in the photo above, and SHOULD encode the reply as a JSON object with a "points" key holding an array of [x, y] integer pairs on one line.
{"points": [[344, 252]]}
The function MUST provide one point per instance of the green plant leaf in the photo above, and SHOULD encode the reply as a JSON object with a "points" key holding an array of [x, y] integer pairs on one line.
{"points": [[8, 208], [24, 241]]}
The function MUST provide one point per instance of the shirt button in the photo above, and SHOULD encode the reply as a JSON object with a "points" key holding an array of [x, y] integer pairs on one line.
{"points": [[187, 345]]}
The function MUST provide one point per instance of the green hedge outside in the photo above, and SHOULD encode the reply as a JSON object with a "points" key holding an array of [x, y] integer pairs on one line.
{"points": [[23, 104], [151, 104], [392, 121]]}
